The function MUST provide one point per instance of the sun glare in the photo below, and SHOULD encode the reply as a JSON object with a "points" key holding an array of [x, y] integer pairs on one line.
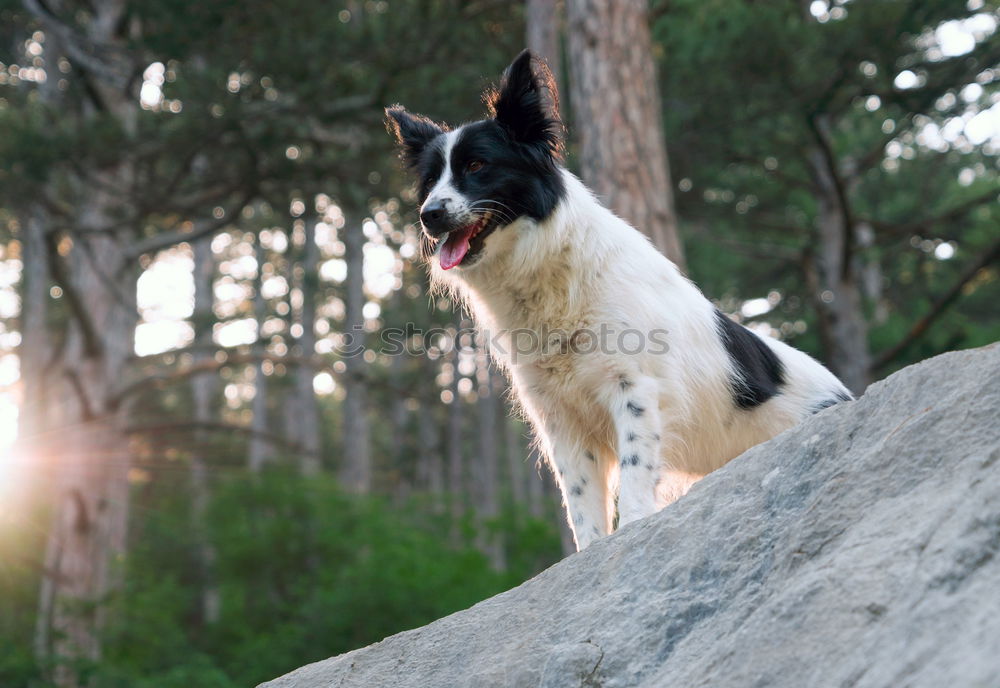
{"points": [[165, 295], [8, 434]]}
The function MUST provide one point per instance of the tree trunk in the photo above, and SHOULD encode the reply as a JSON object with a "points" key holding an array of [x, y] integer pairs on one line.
{"points": [[456, 466], [356, 469], [35, 416], [290, 409], [203, 396], [835, 288], [259, 448], [543, 24], [516, 451], [308, 435], [431, 470], [536, 485], [87, 541], [617, 115], [35, 347], [399, 419], [486, 483]]}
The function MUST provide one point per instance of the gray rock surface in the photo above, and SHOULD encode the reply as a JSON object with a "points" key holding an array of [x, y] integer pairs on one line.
{"points": [[858, 549]]}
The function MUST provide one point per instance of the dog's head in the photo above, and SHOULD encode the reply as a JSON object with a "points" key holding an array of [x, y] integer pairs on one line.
{"points": [[484, 176]]}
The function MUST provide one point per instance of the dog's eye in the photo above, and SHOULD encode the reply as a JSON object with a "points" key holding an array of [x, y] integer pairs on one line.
{"points": [[475, 166]]}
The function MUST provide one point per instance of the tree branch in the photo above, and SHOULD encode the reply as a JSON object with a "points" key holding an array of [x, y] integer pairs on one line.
{"points": [[864, 163], [98, 60], [164, 240], [211, 365], [758, 249], [820, 134], [91, 340], [937, 308], [123, 299], [219, 426], [909, 228], [86, 410]]}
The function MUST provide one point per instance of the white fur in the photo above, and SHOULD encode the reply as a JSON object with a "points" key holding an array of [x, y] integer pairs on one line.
{"points": [[455, 204], [582, 268]]}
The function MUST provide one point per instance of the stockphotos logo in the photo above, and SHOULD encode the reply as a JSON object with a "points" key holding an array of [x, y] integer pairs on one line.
{"points": [[515, 345]]}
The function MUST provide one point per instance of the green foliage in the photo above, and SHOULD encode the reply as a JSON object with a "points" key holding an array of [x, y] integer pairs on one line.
{"points": [[746, 85], [19, 577], [304, 571]]}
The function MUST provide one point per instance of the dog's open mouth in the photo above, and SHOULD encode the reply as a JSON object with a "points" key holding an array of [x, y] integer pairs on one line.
{"points": [[464, 243]]}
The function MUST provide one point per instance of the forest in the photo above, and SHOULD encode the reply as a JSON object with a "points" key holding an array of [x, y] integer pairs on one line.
{"points": [[239, 433]]}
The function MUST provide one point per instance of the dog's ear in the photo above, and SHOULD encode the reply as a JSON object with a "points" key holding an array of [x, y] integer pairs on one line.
{"points": [[412, 132], [527, 103]]}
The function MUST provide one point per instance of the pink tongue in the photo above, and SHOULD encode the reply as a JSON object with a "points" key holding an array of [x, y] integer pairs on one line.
{"points": [[455, 248]]}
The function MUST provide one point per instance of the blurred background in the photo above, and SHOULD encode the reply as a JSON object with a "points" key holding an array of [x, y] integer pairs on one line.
{"points": [[201, 212]]}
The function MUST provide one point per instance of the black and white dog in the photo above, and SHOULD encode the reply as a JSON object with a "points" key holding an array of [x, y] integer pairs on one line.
{"points": [[634, 382]]}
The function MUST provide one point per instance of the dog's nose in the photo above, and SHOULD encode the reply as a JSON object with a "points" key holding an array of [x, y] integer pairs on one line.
{"points": [[434, 217]]}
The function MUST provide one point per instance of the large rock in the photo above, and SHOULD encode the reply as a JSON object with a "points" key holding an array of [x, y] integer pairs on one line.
{"points": [[858, 549]]}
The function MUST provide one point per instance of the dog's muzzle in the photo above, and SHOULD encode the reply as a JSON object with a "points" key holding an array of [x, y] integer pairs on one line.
{"points": [[434, 217]]}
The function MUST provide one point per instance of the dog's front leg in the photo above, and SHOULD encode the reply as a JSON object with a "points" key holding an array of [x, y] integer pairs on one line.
{"points": [[584, 484], [636, 414]]}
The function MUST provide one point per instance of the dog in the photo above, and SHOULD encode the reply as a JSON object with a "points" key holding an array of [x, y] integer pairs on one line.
{"points": [[635, 384]]}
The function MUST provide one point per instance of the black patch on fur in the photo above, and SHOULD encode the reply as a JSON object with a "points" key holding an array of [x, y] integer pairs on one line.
{"points": [[631, 437], [625, 383], [527, 105], [412, 132], [517, 179], [759, 372], [590, 456], [631, 460], [838, 397], [635, 409], [577, 490]]}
